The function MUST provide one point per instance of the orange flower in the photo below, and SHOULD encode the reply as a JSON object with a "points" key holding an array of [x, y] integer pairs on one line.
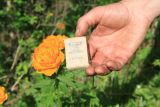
{"points": [[47, 57], [3, 95], [60, 26], [56, 41]]}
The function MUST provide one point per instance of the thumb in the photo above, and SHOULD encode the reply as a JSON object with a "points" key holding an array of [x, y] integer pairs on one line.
{"points": [[91, 18]]}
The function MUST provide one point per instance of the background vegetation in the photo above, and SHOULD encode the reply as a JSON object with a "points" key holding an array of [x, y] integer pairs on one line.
{"points": [[23, 25]]}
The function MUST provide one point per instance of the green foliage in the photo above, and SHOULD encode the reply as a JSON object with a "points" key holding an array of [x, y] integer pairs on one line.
{"points": [[25, 23], [156, 62]]}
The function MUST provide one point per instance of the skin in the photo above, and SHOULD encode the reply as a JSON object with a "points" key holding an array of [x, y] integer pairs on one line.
{"points": [[120, 29]]}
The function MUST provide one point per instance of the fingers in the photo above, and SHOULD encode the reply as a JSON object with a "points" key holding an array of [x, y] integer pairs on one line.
{"points": [[97, 66], [90, 69], [113, 65], [101, 70], [97, 70], [91, 18], [102, 66]]}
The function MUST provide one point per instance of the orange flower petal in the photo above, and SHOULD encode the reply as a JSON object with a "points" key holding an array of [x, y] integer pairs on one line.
{"points": [[61, 55], [49, 72], [3, 95]]}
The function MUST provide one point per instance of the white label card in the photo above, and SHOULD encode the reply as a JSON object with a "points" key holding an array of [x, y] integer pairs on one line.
{"points": [[76, 53]]}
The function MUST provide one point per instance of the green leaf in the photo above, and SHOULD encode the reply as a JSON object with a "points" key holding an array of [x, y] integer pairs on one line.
{"points": [[156, 62], [39, 7]]}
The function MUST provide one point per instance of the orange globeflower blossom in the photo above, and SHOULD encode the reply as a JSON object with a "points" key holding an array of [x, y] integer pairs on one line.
{"points": [[47, 57], [3, 95], [60, 26], [56, 41]]}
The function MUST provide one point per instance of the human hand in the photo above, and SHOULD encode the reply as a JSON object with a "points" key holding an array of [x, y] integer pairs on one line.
{"points": [[120, 29]]}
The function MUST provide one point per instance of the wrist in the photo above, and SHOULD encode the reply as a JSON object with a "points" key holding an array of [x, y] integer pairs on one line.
{"points": [[148, 8]]}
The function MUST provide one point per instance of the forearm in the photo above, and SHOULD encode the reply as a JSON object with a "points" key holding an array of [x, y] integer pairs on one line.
{"points": [[150, 7]]}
